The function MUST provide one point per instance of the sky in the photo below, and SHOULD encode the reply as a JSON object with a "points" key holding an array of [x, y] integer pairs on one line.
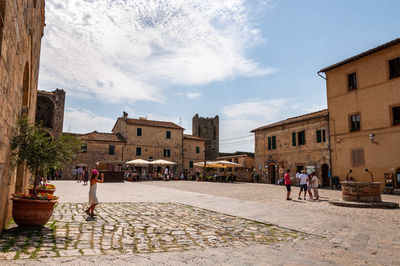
{"points": [[250, 62]]}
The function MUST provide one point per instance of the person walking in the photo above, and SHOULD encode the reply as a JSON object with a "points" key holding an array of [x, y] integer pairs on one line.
{"points": [[85, 174], [303, 184], [79, 173], [92, 192], [288, 184], [315, 184], [309, 186]]}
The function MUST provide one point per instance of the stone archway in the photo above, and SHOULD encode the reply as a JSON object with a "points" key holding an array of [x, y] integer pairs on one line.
{"points": [[45, 111]]}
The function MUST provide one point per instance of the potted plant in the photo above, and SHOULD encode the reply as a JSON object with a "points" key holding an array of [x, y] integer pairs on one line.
{"points": [[44, 188], [35, 148]]}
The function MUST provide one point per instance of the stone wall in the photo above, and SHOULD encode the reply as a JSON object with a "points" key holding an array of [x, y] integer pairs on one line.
{"points": [[20, 40], [208, 129], [272, 164], [96, 151], [50, 111]]}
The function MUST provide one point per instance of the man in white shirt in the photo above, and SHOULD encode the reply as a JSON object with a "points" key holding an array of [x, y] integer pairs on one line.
{"points": [[166, 176], [303, 183]]}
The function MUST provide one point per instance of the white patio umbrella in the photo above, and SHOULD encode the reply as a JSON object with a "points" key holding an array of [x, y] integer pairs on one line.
{"points": [[162, 162], [210, 164], [227, 164], [139, 162]]}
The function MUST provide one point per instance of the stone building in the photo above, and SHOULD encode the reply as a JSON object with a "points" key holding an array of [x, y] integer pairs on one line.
{"points": [[193, 152], [50, 111], [149, 139], [208, 129], [245, 171], [297, 143], [140, 139], [21, 31], [97, 146], [364, 113]]}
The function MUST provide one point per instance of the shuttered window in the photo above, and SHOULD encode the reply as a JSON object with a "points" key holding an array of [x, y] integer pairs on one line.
{"points": [[197, 149], [138, 151], [167, 153], [352, 81], [323, 136], [319, 136], [301, 137], [355, 122], [272, 143], [294, 138], [139, 132], [357, 157], [394, 68], [168, 135], [111, 150], [396, 115], [191, 164]]}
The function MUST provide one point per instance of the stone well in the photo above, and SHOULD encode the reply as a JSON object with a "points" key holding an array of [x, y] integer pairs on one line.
{"points": [[361, 191]]}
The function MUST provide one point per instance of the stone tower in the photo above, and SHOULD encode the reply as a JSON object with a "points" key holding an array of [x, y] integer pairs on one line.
{"points": [[50, 111], [208, 129]]}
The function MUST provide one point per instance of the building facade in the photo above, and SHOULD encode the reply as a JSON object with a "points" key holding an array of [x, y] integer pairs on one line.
{"points": [[208, 129], [298, 143], [21, 31], [364, 108], [50, 111], [244, 173], [193, 152], [150, 140]]}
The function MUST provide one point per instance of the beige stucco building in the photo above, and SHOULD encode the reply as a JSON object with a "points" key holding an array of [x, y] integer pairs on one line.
{"points": [[364, 108], [193, 152], [296, 143], [21, 31], [242, 173]]}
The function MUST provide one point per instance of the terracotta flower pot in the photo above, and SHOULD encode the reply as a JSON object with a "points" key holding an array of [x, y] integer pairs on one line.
{"points": [[27, 212], [49, 191]]}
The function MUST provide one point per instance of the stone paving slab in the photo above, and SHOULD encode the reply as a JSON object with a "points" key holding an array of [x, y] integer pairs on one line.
{"points": [[133, 228]]}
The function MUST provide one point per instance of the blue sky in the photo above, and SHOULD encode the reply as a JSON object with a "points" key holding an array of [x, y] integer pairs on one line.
{"points": [[250, 62]]}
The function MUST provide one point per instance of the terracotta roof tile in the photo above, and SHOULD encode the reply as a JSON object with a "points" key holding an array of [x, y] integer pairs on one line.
{"points": [[186, 136], [361, 55], [318, 114], [154, 123], [100, 136]]}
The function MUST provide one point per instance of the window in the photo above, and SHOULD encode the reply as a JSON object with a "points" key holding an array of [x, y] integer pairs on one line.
{"points": [[191, 164], [272, 143], [293, 138], [357, 157], [168, 135], [301, 137], [138, 151], [355, 123], [394, 68], [352, 81], [84, 148], [197, 149], [167, 153], [396, 115], [321, 136], [111, 150], [139, 132]]}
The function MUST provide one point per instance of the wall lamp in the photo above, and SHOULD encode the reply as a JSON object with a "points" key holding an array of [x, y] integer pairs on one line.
{"points": [[371, 137]]}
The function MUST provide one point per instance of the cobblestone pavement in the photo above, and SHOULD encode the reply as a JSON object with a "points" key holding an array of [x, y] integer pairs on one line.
{"points": [[126, 228]]}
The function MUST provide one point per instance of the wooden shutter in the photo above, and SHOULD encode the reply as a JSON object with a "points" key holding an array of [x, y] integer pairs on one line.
{"points": [[294, 138], [274, 142], [357, 157], [303, 137], [319, 136], [269, 143], [323, 136]]}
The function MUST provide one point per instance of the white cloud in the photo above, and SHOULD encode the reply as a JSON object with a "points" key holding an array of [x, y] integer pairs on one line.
{"points": [[84, 121], [190, 95], [240, 118], [133, 50]]}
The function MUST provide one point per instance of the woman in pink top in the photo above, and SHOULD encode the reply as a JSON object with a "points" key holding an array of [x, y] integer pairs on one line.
{"points": [[288, 183]]}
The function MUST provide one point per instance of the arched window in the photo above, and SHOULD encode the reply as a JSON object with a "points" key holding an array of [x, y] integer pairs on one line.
{"points": [[45, 111]]}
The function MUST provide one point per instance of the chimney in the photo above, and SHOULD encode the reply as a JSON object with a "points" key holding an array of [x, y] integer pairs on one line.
{"points": [[125, 115]]}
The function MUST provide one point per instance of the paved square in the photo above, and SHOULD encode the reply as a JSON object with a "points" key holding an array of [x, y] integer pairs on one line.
{"points": [[126, 228]]}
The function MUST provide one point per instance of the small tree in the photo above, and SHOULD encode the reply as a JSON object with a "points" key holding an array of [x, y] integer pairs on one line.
{"points": [[34, 147]]}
